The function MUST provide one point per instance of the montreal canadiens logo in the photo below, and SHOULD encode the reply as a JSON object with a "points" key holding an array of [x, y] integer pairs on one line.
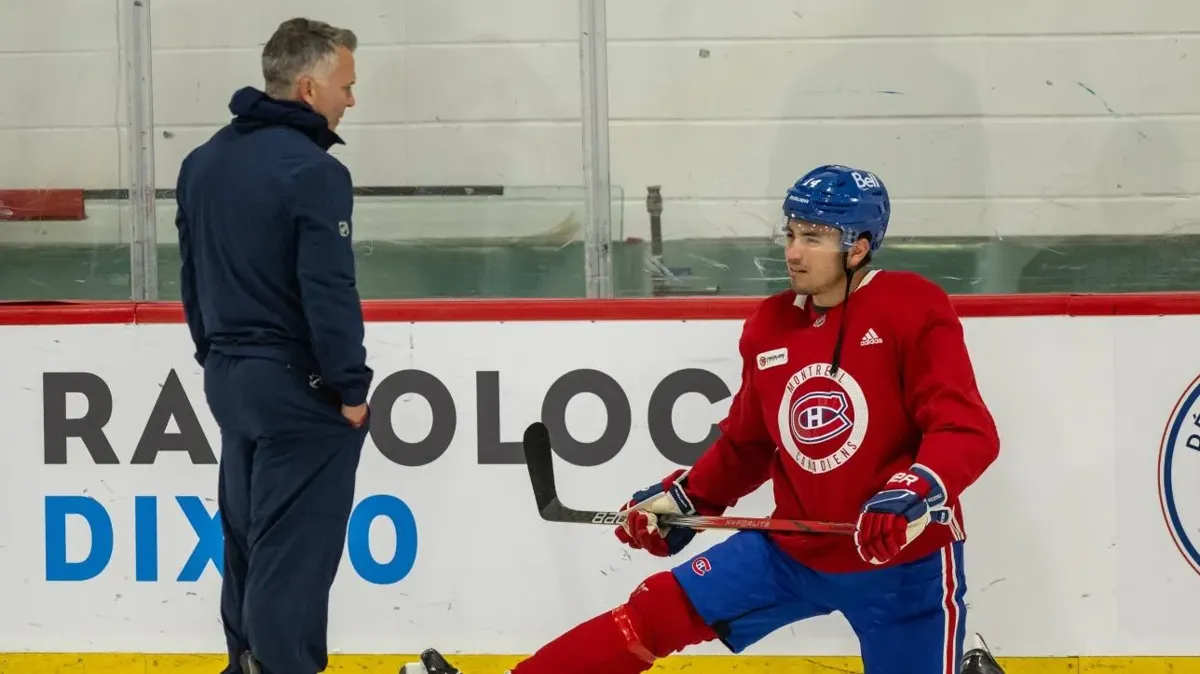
{"points": [[1179, 474], [822, 418]]}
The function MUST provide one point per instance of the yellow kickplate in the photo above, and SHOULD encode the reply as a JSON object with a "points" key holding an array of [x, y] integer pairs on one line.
{"points": [[150, 663]]}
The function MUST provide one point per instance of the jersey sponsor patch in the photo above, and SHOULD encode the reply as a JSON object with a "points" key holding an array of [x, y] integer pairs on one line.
{"points": [[822, 418], [772, 358]]}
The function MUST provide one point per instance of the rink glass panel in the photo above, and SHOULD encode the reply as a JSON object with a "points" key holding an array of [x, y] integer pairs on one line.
{"points": [[406, 247]]}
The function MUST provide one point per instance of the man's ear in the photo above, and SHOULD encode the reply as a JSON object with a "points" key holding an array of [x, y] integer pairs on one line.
{"points": [[305, 89], [859, 252]]}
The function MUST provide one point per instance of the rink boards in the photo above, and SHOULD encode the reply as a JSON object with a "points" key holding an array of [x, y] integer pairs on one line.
{"points": [[1082, 551]]}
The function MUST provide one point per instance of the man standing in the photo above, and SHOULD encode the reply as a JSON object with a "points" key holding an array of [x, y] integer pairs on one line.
{"points": [[268, 289]]}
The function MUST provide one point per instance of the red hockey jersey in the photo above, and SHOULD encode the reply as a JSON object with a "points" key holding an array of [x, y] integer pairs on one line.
{"points": [[905, 393]]}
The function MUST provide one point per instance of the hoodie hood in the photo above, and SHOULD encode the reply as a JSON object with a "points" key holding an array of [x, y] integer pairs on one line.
{"points": [[253, 110]]}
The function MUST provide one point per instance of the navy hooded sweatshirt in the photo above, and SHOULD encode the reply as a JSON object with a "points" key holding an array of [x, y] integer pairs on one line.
{"points": [[264, 220]]}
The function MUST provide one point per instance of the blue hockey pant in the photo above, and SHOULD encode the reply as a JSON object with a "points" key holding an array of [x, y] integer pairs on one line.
{"points": [[909, 618]]}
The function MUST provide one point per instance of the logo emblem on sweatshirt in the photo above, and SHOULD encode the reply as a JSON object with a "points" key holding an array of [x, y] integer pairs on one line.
{"points": [[772, 358], [344, 228], [822, 418], [1178, 464]]}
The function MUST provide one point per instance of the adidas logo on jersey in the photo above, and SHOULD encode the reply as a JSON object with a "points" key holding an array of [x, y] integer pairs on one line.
{"points": [[870, 338]]}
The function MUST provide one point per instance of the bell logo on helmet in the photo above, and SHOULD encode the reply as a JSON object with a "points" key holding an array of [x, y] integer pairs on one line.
{"points": [[865, 182]]}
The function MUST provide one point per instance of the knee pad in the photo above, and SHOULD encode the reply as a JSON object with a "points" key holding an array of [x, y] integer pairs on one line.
{"points": [[659, 619]]}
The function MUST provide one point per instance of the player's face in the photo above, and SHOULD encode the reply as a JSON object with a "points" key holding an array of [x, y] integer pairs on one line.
{"points": [[814, 257], [330, 90]]}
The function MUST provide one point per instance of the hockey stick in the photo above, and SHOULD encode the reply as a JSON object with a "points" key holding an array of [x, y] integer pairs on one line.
{"points": [[539, 460]]}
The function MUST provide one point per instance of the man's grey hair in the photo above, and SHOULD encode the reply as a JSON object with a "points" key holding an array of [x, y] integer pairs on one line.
{"points": [[301, 47]]}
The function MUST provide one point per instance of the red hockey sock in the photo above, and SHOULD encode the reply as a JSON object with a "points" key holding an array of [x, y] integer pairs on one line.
{"points": [[594, 646], [657, 620]]}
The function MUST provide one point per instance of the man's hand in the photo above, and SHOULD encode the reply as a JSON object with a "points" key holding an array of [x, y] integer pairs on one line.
{"points": [[894, 517], [356, 414], [642, 531]]}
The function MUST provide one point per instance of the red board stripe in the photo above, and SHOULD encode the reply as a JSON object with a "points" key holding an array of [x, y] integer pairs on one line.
{"points": [[690, 308], [48, 204]]}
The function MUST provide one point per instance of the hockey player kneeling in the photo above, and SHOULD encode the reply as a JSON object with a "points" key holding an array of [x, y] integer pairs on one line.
{"points": [[868, 414]]}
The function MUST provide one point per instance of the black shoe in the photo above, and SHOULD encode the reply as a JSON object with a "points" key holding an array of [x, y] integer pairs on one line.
{"points": [[979, 660], [435, 664]]}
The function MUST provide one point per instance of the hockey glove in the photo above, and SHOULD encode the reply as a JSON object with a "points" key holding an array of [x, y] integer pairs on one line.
{"points": [[894, 517], [641, 529]]}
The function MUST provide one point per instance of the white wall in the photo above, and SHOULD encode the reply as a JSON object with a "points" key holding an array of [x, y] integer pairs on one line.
{"points": [[984, 118]]}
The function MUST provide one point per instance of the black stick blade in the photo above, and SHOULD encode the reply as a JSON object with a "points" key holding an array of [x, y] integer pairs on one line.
{"points": [[539, 460]]}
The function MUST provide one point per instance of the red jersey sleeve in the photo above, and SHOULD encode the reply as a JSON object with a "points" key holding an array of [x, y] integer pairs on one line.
{"points": [[959, 434], [739, 461]]}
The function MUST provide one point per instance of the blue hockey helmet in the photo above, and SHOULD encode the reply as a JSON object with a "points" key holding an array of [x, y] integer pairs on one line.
{"points": [[850, 200]]}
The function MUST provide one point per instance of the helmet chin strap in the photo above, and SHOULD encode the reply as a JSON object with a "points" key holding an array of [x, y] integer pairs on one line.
{"points": [[841, 333]]}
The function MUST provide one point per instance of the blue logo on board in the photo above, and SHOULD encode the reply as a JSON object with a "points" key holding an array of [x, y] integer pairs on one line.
{"points": [[1179, 474]]}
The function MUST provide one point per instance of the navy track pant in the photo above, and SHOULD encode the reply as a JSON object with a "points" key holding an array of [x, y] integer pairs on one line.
{"points": [[286, 488]]}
